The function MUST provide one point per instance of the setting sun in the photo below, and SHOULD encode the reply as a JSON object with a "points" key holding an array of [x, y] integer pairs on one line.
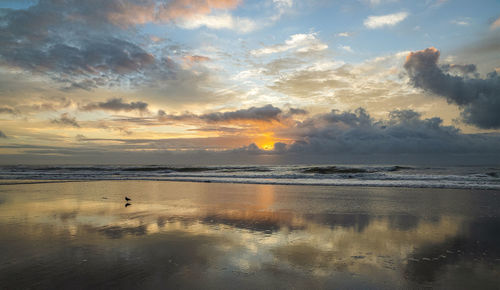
{"points": [[266, 141]]}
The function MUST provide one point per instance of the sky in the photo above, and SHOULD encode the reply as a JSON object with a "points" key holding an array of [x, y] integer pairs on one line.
{"points": [[235, 81]]}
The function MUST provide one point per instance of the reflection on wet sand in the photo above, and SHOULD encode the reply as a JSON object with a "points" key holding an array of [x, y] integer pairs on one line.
{"points": [[193, 235]]}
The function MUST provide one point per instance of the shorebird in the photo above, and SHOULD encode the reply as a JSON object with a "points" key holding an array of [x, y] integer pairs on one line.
{"points": [[127, 199]]}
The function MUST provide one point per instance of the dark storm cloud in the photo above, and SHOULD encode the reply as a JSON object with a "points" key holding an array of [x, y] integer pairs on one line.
{"points": [[296, 111], [357, 119], [463, 69], [85, 63], [93, 44], [404, 132], [266, 113], [76, 43], [343, 137], [66, 120], [214, 121], [478, 98], [116, 104], [2, 135]]}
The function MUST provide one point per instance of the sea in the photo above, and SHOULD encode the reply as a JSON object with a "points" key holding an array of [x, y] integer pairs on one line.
{"points": [[457, 177]]}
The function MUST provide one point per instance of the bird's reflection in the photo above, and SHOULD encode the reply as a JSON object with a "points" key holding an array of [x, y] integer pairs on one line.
{"points": [[128, 204]]}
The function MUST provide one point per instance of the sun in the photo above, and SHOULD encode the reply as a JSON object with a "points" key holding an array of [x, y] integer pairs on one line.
{"points": [[268, 146], [266, 141]]}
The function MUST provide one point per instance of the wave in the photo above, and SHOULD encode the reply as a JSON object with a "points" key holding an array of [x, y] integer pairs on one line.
{"points": [[171, 169], [331, 175], [333, 169], [493, 174], [337, 169]]}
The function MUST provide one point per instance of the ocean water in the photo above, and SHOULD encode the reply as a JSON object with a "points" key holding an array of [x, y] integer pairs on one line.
{"points": [[465, 177]]}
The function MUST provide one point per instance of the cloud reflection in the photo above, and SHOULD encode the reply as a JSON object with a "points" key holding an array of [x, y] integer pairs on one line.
{"points": [[260, 235]]}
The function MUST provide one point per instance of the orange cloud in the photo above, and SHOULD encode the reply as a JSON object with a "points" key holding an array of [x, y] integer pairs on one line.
{"points": [[422, 58], [187, 8], [126, 13], [196, 58]]}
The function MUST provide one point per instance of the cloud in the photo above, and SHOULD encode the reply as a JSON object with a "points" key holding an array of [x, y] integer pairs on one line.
{"points": [[483, 53], [344, 34], [346, 48], [125, 13], [495, 24], [2, 135], [197, 143], [463, 69], [283, 3], [193, 14], [196, 58], [89, 44], [296, 111], [404, 132], [66, 120], [282, 7], [267, 113], [219, 21], [302, 43], [189, 14], [116, 104], [37, 104], [353, 136], [8, 110], [478, 98], [309, 82], [190, 8], [379, 85], [437, 3], [461, 22], [84, 63], [337, 136], [378, 2], [277, 65], [43, 39], [373, 22], [488, 45]]}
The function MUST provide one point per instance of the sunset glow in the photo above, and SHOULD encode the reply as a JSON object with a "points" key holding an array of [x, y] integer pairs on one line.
{"points": [[86, 83]]}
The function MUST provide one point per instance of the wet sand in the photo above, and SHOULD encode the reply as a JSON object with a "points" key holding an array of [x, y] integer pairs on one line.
{"points": [[80, 235]]}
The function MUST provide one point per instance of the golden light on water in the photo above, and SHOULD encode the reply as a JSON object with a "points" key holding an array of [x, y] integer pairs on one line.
{"points": [[200, 228]]}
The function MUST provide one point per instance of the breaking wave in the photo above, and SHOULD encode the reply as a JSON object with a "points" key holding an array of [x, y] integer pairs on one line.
{"points": [[327, 175]]}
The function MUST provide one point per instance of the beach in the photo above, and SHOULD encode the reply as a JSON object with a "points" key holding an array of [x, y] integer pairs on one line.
{"points": [[192, 235]]}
